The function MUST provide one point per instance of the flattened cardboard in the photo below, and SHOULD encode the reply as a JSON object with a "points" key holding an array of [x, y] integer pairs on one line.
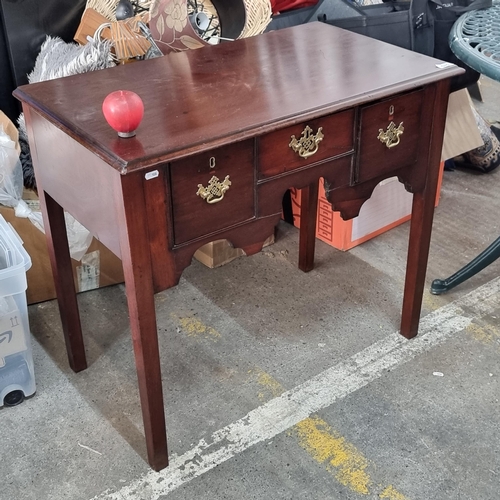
{"points": [[461, 133]]}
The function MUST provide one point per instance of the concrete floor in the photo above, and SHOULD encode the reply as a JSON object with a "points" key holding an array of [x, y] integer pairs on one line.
{"points": [[283, 385]]}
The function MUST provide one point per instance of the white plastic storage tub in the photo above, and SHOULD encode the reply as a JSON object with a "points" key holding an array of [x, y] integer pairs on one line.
{"points": [[17, 379]]}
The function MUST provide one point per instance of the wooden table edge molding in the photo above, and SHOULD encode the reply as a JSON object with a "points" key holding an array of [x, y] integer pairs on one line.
{"points": [[233, 125]]}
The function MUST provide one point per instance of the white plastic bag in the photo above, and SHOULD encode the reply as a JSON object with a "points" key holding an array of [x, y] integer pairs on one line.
{"points": [[11, 175], [11, 191]]}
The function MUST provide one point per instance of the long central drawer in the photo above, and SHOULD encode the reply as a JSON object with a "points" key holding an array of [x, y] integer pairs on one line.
{"points": [[306, 143]]}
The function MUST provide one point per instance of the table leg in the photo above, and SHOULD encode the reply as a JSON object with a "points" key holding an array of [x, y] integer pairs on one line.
{"points": [[418, 252], [147, 361], [137, 269], [422, 215], [307, 234], [57, 241]]}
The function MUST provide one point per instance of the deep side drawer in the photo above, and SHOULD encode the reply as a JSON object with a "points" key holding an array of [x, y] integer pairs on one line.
{"points": [[213, 190]]}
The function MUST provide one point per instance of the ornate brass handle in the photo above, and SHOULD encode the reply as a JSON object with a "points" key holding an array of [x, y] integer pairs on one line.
{"points": [[308, 143], [215, 190], [391, 137]]}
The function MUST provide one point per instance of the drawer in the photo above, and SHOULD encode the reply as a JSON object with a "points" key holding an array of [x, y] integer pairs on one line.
{"points": [[389, 135], [334, 135], [212, 190]]}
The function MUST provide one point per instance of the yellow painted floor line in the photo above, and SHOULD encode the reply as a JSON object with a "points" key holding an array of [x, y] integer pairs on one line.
{"points": [[339, 456], [484, 334], [327, 447], [193, 327], [390, 493]]}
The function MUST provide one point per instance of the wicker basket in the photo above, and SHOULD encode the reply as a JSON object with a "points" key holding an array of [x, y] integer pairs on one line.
{"points": [[258, 16]]}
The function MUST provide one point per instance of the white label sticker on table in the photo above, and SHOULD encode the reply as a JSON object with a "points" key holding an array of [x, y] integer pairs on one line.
{"points": [[152, 175], [444, 65]]}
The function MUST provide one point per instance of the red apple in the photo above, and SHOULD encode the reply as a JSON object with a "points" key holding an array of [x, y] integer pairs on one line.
{"points": [[123, 110]]}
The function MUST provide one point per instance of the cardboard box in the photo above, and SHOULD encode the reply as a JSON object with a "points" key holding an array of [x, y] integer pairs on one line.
{"points": [[389, 206], [220, 252], [461, 133], [98, 267]]}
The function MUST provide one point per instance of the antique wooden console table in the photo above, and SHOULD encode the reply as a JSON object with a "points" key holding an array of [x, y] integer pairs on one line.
{"points": [[227, 129]]}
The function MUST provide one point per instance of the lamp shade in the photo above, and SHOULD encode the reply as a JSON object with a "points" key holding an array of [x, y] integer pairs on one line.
{"points": [[123, 110], [176, 24]]}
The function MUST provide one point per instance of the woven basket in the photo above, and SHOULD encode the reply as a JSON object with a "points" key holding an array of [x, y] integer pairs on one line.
{"points": [[258, 16], [107, 8]]}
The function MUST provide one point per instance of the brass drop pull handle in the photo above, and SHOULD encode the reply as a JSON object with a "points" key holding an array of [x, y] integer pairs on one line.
{"points": [[391, 136], [308, 143], [215, 190]]}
